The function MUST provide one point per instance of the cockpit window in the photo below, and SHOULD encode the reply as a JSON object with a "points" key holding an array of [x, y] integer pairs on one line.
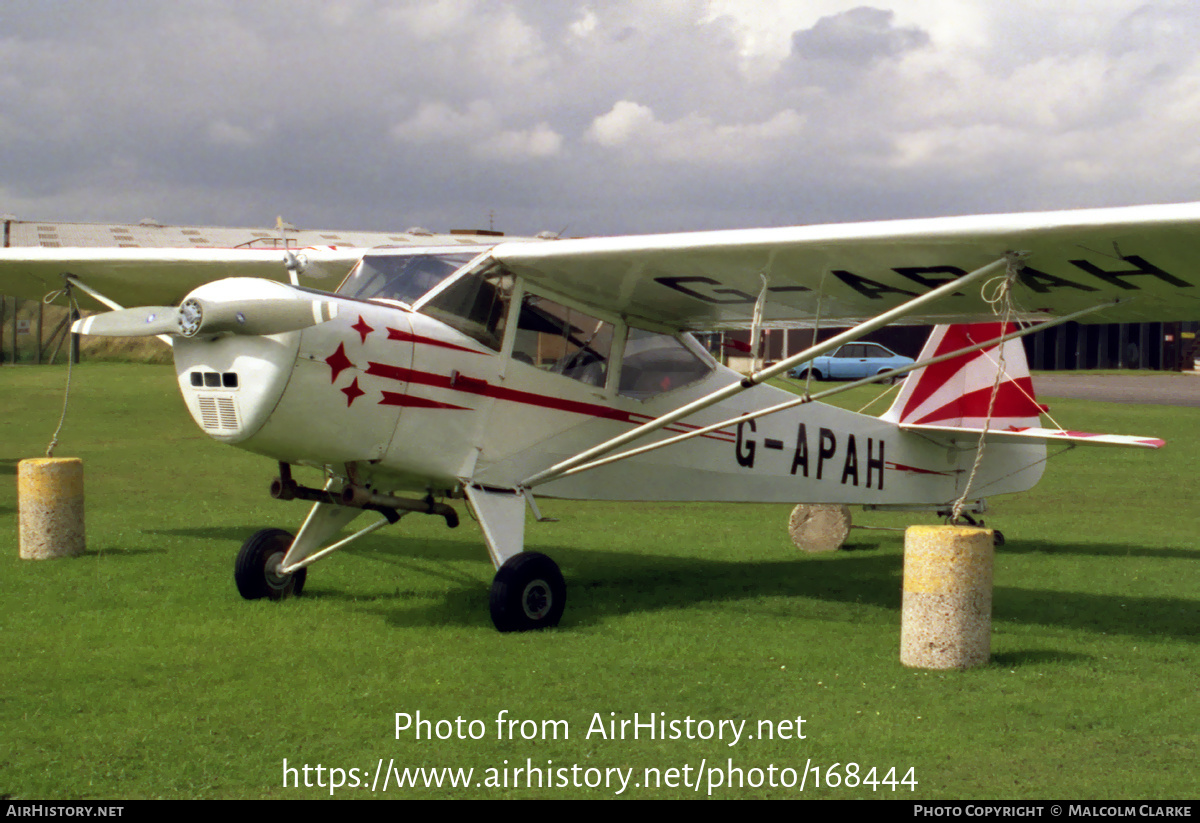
{"points": [[657, 363], [402, 277], [476, 304], [564, 341]]}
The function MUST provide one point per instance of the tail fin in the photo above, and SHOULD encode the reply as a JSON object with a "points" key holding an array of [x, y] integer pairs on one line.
{"points": [[948, 398], [956, 392]]}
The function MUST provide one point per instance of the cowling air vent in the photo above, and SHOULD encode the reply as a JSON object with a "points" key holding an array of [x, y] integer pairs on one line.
{"points": [[213, 380], [218, 414]]}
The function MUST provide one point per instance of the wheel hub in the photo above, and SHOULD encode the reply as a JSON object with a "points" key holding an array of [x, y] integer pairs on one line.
{"points": [[537, 599], [275, 580]]}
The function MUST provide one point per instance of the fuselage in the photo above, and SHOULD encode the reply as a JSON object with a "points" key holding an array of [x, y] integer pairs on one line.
{"points": [[440, 368]]}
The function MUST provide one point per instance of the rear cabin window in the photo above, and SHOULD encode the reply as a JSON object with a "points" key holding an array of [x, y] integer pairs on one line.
{"points": [[657, 363], [563, 341]]}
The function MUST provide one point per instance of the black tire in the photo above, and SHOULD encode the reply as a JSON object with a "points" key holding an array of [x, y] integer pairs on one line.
{"points": [[262, 552], [528, 592]]}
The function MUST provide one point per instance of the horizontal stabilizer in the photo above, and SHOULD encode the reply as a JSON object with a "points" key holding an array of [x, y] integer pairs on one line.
{"points": [[1032, 434]]}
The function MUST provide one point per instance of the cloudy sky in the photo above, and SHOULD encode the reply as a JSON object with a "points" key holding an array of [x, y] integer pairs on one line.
{"points": [[598, 117]]}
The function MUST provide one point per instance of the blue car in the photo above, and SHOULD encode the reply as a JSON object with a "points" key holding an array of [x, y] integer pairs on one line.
{"points": [[852, 361]]}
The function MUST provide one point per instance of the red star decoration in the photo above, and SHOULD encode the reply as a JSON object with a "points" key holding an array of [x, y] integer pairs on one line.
{"points": [[352, 392], [338, 361], [362, 328]]}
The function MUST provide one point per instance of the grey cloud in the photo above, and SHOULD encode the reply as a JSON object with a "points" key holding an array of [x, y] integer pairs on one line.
{"points": [[380, 115], [859, 37]]}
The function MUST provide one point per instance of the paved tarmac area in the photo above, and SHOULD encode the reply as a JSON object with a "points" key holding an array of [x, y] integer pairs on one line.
{"points": [[1170, 389]]}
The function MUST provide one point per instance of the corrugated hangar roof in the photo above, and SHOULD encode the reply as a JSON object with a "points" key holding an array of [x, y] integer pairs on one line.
{"points": [[149, 234]]}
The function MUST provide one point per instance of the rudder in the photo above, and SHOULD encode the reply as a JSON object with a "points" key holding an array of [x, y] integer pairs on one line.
{"points": [[956, 392]]}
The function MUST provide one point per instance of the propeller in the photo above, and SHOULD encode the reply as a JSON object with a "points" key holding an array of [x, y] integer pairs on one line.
{"points": [[201, 317], [293, 265], [142, 321], [207, 316]]}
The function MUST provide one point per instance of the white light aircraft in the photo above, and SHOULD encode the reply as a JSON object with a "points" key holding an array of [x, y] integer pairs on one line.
{"points": [[565, 368]]}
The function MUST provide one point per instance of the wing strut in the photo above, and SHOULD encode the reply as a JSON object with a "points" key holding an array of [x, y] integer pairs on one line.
{"points": [[1011, 261], [811, 398], [84, 287]]}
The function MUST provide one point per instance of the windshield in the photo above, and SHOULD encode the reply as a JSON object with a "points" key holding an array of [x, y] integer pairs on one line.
{"points": [[402, 276]]}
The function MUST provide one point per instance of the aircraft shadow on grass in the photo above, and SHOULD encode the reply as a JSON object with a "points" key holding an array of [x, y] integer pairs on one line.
{"points": [[228, 538], [1034, 657], [117, 551], [1116, 551], [604, 584], [8, 465]]}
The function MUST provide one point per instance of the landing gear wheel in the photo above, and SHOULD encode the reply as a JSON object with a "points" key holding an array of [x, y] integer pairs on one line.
{"points": [[819, 527], [528, 592], [255, 570]]}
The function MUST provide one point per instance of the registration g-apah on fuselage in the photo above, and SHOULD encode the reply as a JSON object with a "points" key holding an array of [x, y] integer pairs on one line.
{"points": [[493, 371]]}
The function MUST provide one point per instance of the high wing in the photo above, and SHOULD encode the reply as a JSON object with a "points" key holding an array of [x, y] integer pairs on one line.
{"points": [[1144, 260], [1142, 263], [135, 277]]}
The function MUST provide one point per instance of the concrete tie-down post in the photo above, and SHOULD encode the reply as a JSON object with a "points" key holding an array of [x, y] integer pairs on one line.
{"points": [[947, 611], [50, 499]]}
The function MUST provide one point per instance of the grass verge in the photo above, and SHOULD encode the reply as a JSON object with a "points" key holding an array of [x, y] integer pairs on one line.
{"points": [[137, 671]]}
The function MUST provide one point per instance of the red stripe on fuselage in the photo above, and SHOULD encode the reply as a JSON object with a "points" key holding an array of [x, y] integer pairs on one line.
{"points": [[470, 385], [900, 467], [391, 398], [409, 337]]}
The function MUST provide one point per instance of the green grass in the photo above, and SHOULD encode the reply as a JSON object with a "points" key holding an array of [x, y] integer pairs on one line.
{"points": [[137, 671]]}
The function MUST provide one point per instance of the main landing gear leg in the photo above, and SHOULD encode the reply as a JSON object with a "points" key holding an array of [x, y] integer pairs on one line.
{"points": [[528, 591], [273, 564]]}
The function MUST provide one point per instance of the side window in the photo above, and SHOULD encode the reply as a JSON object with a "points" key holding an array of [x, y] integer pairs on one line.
{"points": [[657, 363], [563, 341], [476, 304]]}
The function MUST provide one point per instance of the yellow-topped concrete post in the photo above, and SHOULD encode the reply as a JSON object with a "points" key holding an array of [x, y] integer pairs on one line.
{"points": [[947, 611], [50, 499]]}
